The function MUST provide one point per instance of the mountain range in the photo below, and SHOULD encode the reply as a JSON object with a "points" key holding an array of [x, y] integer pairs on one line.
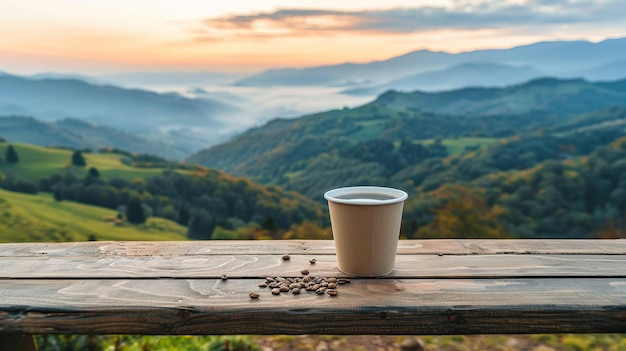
{"points": [[429, 70]]}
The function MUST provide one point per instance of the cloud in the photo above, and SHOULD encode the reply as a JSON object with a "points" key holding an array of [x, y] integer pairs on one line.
{"points": [[462, 14]]}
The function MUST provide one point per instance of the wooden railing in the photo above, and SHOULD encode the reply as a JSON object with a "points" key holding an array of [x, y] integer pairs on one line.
{"points": [[438, 287]]}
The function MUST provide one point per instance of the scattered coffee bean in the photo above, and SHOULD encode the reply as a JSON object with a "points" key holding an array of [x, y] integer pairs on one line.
{"points": [[286, 257], [224, 277], [312, 261], [321, 285], [254, 295]]}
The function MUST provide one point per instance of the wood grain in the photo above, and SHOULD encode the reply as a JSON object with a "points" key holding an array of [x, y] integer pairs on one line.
{"points": [[365, 306], [250, 266], [312, 247]]}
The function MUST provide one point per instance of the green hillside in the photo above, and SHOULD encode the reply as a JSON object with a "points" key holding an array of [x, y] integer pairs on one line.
{"points": [[27, 218], [200, 199], [549, 96], [383, 140], [37, 162]]}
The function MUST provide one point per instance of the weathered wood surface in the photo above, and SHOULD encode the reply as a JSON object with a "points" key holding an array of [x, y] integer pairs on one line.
{"points": [[258, 266], [439, 287], [365, 306], [313, 247]]}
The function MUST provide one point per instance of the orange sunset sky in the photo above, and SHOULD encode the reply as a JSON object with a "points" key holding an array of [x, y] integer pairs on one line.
{"points": [[102, 36]]}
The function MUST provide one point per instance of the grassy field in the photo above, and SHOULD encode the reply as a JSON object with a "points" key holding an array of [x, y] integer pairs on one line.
{"points": [[27, 218], [36, 162], [456, 146]]}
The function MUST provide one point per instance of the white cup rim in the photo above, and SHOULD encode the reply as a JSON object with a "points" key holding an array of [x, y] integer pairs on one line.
{"points": [[396, 194]]}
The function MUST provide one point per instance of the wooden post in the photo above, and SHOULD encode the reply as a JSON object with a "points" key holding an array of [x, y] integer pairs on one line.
{"points": [[17, 342]]}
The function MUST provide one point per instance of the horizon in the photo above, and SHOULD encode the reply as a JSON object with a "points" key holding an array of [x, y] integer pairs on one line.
{"points": [[246, 36]]}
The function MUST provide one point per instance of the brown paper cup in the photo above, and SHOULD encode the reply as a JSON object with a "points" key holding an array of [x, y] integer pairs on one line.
{"points": [[366, 222]]}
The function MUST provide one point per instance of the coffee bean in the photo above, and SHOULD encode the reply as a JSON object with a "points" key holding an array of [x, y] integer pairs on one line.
{"points": [[254, 295], [284, 288], [224, 277], [294, 285], [276, 291], [332, 280], [304, 272], [343, 281], [295, 291], [320, 291], [332, 292], [312, 261], [286, 257], [332, 286], [263, 285]]}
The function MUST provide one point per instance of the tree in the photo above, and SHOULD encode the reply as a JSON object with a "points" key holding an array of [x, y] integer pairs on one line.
{"points": [[134, 211], [93, 171], [183, 215], [11, 155], [462, 214], [201, 225], [78, 159], [58, 195]]}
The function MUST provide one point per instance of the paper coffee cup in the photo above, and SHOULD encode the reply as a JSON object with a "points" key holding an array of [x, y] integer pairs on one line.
{"points": [[365, 222]]}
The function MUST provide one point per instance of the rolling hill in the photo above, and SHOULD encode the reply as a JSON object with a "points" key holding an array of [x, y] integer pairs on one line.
{"points": [[379, 142], [130, 110], [28, 218], [77, 134]]}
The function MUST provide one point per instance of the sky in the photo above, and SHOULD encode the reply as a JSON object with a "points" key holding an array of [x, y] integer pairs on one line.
{"points": [[106, 36]]}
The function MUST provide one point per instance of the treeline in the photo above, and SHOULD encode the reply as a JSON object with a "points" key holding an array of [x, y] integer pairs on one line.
{"points": [[201, 203], [553, 198]]}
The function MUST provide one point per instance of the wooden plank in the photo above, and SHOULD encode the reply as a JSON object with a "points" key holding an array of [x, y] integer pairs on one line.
{"points": [[313, 247], [250, 266], [365, 306]]}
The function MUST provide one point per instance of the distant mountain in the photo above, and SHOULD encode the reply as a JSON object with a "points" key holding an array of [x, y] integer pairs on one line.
{"points": [[559, 58], [164, 79], [463, 75], [608, 71], [128, 109], [54, 75], [78, 134], [562, 97]]}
